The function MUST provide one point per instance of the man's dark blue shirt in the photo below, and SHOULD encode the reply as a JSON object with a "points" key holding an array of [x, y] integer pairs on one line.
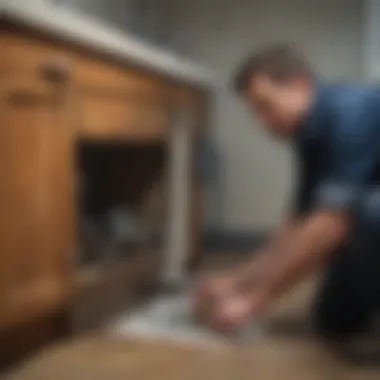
{"points": [[339, 151]]}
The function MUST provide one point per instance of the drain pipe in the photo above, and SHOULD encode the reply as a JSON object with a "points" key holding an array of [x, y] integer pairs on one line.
{"points": [[179, 180]]}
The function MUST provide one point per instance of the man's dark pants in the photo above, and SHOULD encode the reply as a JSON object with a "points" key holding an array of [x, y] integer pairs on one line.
{"points": [[349, 297]]}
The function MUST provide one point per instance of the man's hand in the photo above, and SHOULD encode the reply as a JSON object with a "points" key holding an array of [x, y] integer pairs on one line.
{"points": [[220, 303], [223, 307], [239, 309], [212, 289], [230, 300], [209, 293]]}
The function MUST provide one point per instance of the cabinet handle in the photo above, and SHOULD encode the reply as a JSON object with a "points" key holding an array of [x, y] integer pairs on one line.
{"points": [[55, 74], [56, 71]]}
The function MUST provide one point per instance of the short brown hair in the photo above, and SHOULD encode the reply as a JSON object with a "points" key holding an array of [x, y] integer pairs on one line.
{"points": [[280, 62]]}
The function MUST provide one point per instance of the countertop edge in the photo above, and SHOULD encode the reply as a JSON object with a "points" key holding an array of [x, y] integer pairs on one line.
{"points": [[83, 30]]}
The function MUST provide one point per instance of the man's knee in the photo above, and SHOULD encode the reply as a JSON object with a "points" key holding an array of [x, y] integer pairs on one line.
{"points": [[334, 327], [330, 325], [338, 313]]}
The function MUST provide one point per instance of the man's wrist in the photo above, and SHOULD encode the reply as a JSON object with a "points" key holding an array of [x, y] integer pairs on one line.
{"points": [[236, 278], [244, 279], [261, 297]]}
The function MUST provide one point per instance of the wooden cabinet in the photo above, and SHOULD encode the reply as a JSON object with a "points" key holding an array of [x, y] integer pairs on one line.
{"points": [[53, 96], [35, 198]]}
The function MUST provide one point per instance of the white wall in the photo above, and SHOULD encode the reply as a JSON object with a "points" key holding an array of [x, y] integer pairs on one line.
{"points": [[372, 39], [258, 175], [116, 12], [149, 19]]}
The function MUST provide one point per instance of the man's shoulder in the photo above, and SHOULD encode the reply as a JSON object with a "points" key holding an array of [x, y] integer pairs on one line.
{"points": [[347, 98], [355, 111]]}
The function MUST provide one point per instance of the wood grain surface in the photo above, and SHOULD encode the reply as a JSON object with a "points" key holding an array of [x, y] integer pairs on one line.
{"points": [[274, 356]]}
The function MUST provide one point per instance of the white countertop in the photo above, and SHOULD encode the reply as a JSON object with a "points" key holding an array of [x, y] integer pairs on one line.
{"points": [[78, 28]]}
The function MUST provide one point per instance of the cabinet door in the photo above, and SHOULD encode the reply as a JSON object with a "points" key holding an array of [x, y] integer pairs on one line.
{"points": [[36, 200]]}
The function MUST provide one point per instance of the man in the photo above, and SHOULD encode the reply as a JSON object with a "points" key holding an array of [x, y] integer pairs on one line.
{"points": [[336, 223]]}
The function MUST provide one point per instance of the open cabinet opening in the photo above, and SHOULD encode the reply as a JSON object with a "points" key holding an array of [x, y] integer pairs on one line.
{"points": [[121, 200]]}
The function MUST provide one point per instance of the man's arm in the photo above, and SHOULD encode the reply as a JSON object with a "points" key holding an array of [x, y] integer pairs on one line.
{"points": [[296, 251], [301, 251], [250, 273]]}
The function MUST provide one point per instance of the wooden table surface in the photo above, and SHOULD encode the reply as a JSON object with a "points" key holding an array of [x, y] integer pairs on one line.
{"points": [[275, 356], [103, 359], [106, 359]]}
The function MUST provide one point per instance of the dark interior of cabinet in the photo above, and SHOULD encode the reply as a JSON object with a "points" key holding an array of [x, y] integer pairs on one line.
{"points": [[121, 199]]}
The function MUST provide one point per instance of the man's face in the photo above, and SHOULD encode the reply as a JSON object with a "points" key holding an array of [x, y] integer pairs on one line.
{"points": [[280, 106]]}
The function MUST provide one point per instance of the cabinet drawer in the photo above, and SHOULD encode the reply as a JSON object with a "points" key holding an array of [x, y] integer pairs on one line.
{"points": [[30, 58], [107, 117], [94, 75]]}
